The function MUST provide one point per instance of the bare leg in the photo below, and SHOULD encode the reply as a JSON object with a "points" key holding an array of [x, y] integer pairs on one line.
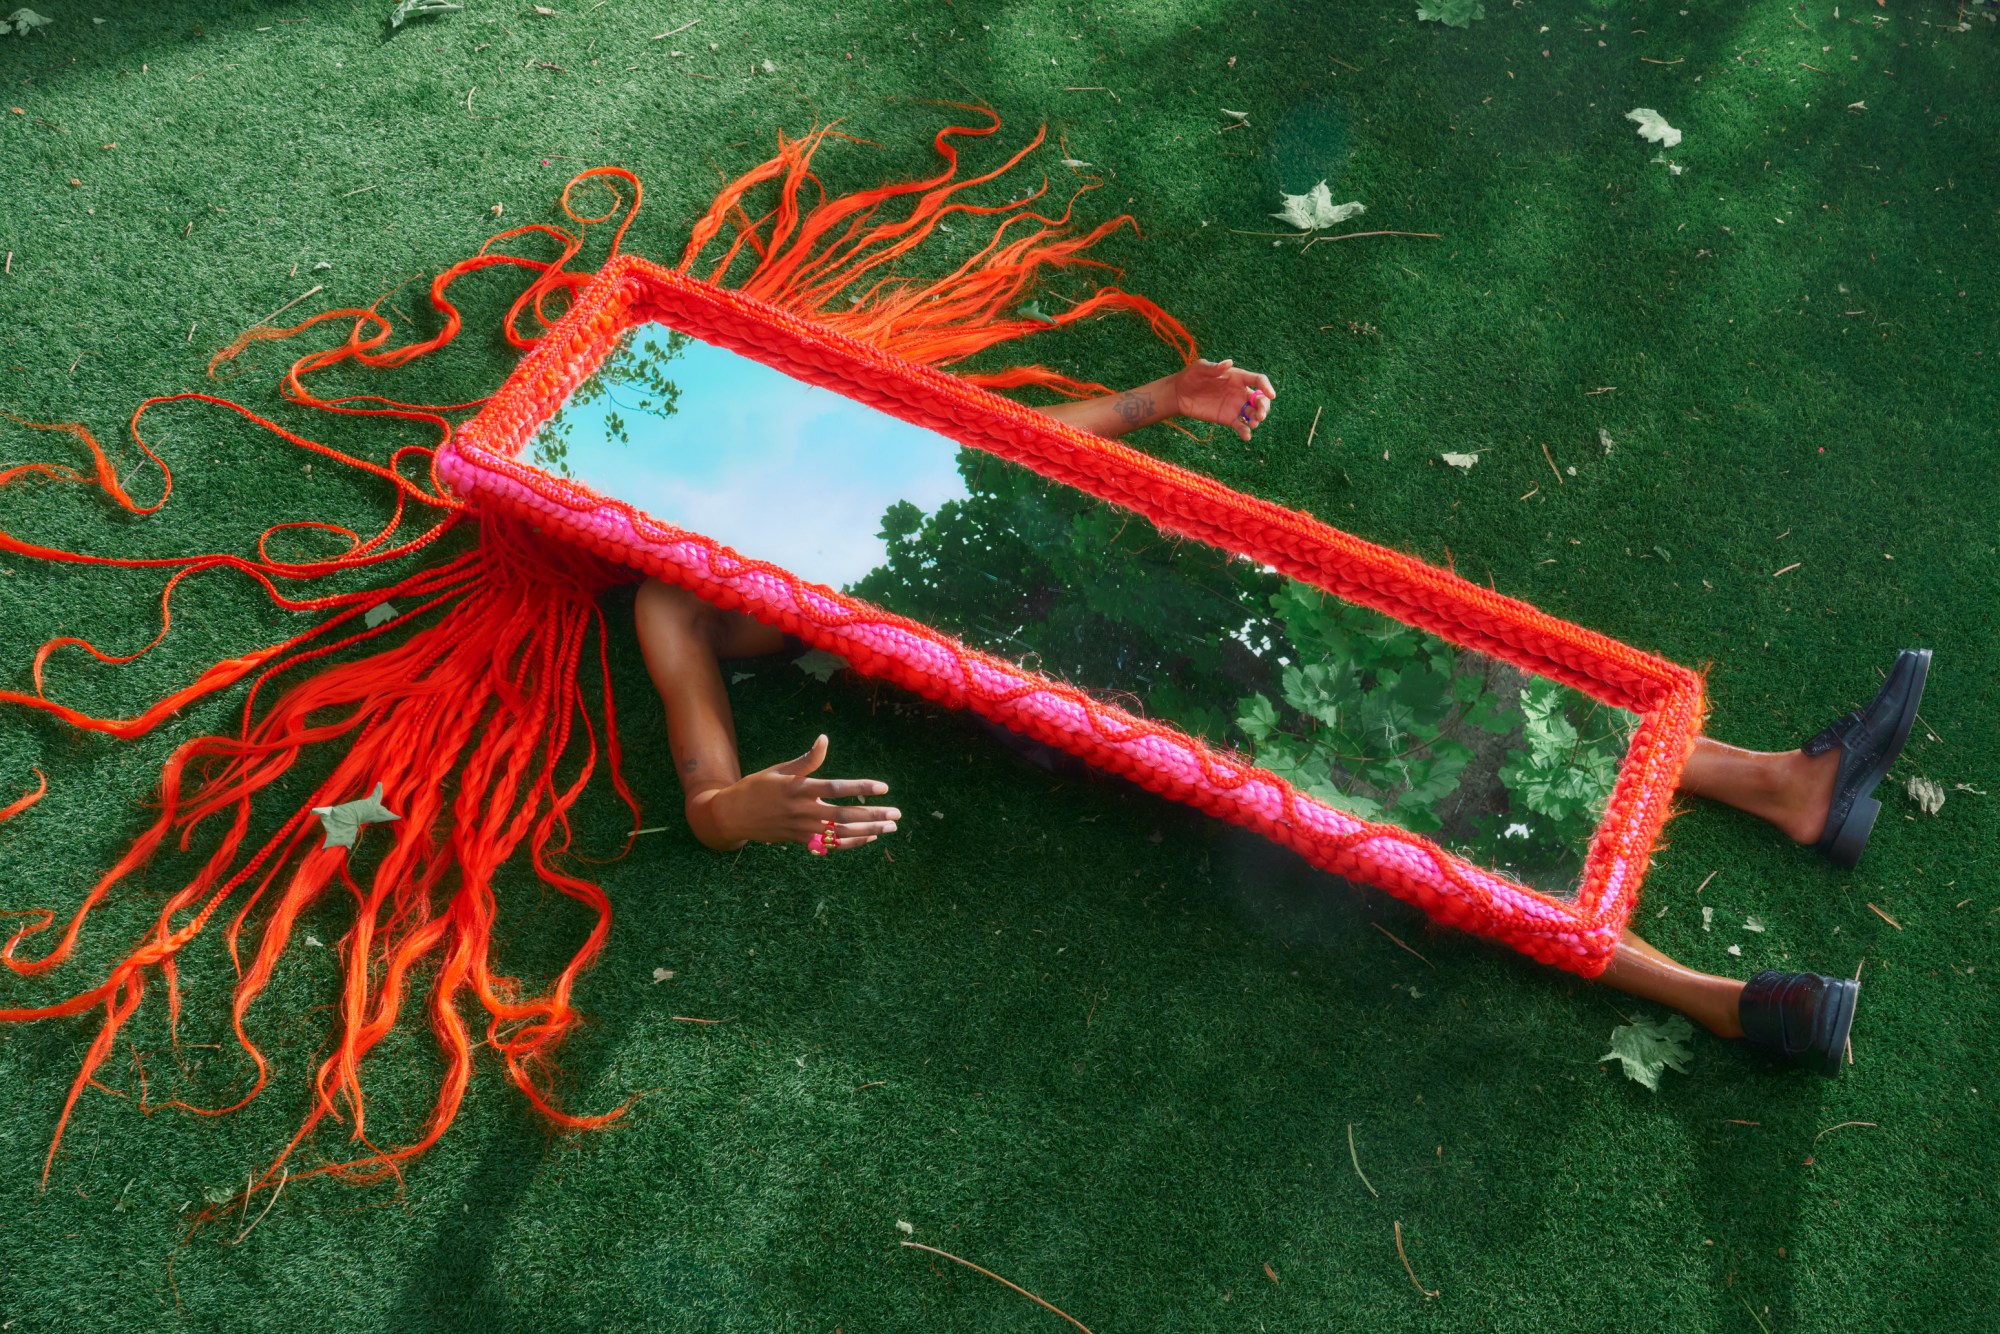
{"points": [[1641, 970], [1791, 789]]}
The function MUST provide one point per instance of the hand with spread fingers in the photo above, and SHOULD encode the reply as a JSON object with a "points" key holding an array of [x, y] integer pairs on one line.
{"points": [[786, 804]]}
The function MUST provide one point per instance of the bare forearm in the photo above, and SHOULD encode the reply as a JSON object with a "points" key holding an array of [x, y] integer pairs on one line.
{"points": [[1114, 415], [701, 732]]}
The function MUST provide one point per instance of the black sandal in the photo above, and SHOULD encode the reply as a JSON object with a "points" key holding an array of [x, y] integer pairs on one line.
{"points": [[1870, 740], [1803, 1016]]}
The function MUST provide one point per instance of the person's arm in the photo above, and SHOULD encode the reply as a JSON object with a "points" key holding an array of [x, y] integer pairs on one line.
{"points": [[683, 639], [1210, 391]]}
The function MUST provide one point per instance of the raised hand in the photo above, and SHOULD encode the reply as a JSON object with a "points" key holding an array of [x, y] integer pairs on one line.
{"points": [[785, 804], [1216, 391]]}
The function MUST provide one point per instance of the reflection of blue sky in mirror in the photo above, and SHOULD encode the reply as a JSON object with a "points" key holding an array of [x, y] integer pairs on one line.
{"points": [[775, 468]]}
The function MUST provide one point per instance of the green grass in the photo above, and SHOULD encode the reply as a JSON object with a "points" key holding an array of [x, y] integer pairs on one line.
{"points": [[1114, 1049]]}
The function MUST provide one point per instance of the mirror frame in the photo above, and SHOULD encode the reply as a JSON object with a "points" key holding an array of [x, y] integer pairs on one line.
{"points": [[482, 464]]}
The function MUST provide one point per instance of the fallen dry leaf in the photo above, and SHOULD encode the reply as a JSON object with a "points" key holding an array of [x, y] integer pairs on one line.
{"points": [[1928, 795], [1653, 127]]}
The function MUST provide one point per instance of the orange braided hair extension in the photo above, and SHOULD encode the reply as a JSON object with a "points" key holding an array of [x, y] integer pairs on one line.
{"points": [[467, 707]]}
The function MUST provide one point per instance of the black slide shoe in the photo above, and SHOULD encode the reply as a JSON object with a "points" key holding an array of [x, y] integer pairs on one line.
{"points": [[1870, 739], [1804, 1016]]}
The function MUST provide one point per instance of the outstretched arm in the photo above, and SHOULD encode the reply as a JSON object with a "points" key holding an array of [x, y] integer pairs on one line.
{"points": [[683, 639], [1210, 391]]}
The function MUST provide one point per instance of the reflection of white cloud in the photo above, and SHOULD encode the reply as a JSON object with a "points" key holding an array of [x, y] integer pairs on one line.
{"points": [[775, 468]]}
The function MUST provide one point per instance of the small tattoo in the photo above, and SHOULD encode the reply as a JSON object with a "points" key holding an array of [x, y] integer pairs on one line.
{"points": [[1135, 406], [690, 764]]}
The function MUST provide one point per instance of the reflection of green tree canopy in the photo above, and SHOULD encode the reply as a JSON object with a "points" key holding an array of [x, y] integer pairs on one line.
{"points": [[1359, 710], [641, 376]]}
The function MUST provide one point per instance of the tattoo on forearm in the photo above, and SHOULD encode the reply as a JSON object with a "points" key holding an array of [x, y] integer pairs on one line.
{"points": [[1135, 406], [690, 764]]}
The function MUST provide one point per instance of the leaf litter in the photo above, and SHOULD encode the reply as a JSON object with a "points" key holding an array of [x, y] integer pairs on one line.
{"points": [[1928, 795], [1653, 127], [1648, 1048], [1451, 13], [1315, 210]]}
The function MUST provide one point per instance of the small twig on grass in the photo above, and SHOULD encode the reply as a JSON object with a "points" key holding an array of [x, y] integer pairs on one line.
{"points": [[1704, 884], [362, 191], [1355, 1158], [1859, 966], [919, 1246], [1349, 236], [1675, 61], [315, 288], [1788, 569], [1753, 1314], [656, 829], [282, 1178], [1403, 1255], [1400, 945], [1842, 1126], [671, 31], [688, 1019], [1552, 464], [1531, 491], [1315, 426], [1343, 64], [1885, 917], [1732, 1121]]}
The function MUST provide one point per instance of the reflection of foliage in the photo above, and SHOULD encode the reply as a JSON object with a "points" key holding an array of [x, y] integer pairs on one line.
{"points": [[1561, 776], [1359, 710], [1373, 716], [643, 372]]}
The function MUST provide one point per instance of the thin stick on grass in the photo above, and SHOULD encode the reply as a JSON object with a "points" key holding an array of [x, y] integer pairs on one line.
{"points": [[1552, 464], [1400, 945], [1842, 1126], [1355, 1158], [1404, 1256], [313, 290], [919, 1246], [689, 1019], [1349, 236], [1315, 426], [1343, 64], [1885, 917], [282, 1178], [1704, 884]]}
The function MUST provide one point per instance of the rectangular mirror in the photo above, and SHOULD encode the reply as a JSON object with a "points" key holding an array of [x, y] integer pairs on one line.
{"points": [[1502, 769], [1386, 722]]}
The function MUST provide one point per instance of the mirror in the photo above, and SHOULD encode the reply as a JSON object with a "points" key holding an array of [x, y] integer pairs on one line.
{"points": [[1390, 723]]}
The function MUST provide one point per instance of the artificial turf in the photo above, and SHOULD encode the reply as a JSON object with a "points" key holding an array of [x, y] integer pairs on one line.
{"points": [[1089, 1040]]}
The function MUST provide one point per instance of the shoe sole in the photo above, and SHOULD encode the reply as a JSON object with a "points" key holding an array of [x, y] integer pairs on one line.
{"points": [[1837, 1021], [1852, 837]]}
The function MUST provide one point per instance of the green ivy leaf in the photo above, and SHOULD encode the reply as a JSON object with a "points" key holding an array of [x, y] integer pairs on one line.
{"points": [[344, 822], [819, 664], [1647, 1048], [1451, 13]]}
